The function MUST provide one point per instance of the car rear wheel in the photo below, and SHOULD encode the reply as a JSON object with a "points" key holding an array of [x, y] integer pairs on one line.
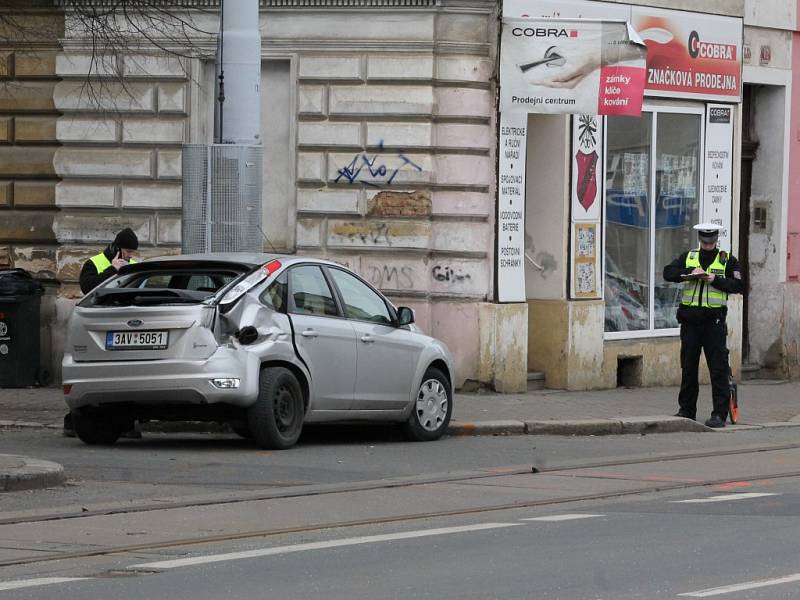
{"points": [[432, 409], [276, 418], [96, 428]]}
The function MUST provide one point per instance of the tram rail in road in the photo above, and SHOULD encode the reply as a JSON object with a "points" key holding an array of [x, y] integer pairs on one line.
{"points": [[409, 482]]}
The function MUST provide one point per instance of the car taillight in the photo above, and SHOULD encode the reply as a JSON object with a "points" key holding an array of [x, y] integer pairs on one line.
{"points": [[67, 388], [250, 281], [272, 266]]}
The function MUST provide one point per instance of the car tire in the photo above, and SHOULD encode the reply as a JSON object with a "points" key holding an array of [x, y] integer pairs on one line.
{"points": [[276, 418], [433, 407], [96, 429]]}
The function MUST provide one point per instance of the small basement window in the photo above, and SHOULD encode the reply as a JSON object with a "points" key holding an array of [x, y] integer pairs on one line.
{"points": [[629, 371]]}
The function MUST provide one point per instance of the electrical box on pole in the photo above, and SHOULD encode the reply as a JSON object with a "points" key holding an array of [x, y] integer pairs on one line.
{"points": [[240, 65]]}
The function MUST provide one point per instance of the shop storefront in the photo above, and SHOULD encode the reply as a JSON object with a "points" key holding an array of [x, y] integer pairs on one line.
{"points": [[611, 198]]}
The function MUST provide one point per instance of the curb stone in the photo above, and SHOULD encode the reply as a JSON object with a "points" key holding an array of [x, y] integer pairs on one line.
{"points": [[19, 473], [486, 428], [734, 428], [628, 425], [574, 427], [792, 423], [660, 425], [26, 425]]}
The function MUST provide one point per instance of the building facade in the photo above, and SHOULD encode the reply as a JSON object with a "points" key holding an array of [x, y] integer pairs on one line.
{"points": [[382, 139], [675, 166], [29, 34]]}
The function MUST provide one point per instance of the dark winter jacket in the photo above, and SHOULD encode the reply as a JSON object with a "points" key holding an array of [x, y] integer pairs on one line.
{"points": [[90, 278]]}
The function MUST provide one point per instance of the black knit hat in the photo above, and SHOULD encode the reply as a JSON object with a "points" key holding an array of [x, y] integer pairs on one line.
{"points": [[126, 239]]}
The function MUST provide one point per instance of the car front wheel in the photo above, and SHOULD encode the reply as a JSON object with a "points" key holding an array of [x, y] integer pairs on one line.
{"points": [[276, 418], [432, 409]]}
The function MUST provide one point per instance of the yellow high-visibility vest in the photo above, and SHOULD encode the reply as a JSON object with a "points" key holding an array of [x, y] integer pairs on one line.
{"points": [[710, 297], [101, 262]]}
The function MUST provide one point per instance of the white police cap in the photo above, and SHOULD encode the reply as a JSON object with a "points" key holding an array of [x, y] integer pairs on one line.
{"points": [[707, 229]]}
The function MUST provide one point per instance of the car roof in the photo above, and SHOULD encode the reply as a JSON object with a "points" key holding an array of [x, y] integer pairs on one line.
{"points": [[240, 258], [244, 259]]}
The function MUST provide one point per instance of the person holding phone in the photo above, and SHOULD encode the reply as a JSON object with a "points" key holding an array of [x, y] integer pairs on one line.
{"points": [[709, 275], [106, 264], [94, 272]]}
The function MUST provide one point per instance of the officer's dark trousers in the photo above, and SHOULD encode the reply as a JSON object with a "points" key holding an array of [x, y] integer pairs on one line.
{"points": [[710, 337]]}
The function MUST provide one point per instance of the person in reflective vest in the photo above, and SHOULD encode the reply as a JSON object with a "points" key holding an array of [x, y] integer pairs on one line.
{"points": [[709, 275], [106, 264]]}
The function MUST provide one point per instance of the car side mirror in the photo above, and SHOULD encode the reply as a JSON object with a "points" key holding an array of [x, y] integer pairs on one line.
{"points": [[405, 316], [247, 335]]}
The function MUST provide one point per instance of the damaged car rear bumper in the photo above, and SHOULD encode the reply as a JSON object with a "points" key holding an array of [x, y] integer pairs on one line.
{"points": [[163, 381]]}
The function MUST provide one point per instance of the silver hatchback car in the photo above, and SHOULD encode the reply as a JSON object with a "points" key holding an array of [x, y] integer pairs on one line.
{"points": [[263, 342]]}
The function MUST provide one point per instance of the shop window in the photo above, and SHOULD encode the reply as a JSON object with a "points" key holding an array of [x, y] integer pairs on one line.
{"points": [[652, 200]]}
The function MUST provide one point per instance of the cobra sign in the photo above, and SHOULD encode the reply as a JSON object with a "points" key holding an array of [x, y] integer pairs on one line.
{"points": [[571, 66]]}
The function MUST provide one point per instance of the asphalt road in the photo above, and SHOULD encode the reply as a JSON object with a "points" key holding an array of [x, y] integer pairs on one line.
{"points": [[175, 465], [651, 547], [631, 536]]}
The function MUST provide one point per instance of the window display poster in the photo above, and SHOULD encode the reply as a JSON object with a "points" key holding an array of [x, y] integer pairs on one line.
{"points": [[718, 176], [587, 161], [635, 174], [511, 208], [585, 260], [571, 67]]}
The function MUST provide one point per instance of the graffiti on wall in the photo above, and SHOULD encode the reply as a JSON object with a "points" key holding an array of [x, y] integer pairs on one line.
{"points": [[450, 275], [391, 277], [376, 171]]}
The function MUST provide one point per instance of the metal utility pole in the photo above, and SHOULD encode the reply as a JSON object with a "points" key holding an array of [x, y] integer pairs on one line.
{"points": [[222, 182]]}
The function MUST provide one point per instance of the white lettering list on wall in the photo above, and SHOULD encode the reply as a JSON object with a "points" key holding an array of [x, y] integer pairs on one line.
{"points": [[717, 195], [511, 209]]}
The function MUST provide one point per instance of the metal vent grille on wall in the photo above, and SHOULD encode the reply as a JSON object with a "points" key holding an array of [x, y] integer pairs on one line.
{"points": [[221, 198]]}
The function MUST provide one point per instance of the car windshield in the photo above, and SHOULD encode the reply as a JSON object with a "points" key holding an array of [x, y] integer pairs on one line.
{"points": [[162, 286]]}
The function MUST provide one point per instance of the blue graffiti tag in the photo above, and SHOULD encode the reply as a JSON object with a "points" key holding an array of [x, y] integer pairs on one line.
{"points": [[375, 171]]}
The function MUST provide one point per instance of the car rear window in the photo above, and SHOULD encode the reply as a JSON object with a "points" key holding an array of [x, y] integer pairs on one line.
{"points": [[162, 286], [195, 282]]}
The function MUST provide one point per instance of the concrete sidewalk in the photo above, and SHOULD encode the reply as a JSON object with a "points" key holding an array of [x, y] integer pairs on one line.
{"points": [[763, 403]]}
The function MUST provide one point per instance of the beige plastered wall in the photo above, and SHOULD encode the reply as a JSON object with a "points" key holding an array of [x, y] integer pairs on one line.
{"points": [[567, 344]]}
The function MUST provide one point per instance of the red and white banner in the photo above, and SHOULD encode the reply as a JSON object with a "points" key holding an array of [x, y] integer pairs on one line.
{"points": [[571, 66], [691, 55]]}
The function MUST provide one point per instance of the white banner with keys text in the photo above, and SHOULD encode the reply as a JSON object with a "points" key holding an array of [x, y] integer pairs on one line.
{"points": [[572, 66]]}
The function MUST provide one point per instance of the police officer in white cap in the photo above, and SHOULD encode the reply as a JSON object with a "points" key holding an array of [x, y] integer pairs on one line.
{"points": [[708, 275]]}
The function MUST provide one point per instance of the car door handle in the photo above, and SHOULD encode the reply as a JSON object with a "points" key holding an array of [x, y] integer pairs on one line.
{"points": [[309, 333], [367, 339]]}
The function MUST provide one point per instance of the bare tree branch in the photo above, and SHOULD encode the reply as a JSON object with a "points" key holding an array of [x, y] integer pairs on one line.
{"points": [[115, 42]]}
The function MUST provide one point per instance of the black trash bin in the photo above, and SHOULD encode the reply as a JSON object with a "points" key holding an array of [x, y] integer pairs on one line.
{"points": [[20, 300]]}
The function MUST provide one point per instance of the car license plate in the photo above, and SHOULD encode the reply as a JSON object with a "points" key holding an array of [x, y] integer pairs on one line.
{"points": [[137, 340]]}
